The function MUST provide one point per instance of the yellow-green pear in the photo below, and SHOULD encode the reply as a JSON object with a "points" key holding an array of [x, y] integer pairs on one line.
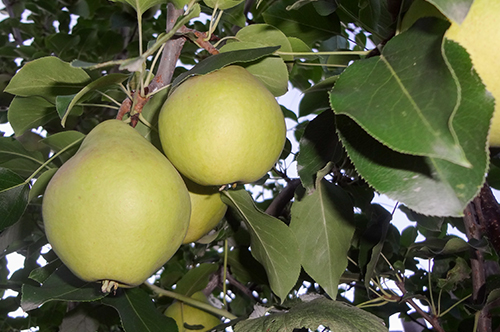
{"points": [[207, 210], [117, 210], [186, 316], [222, 127], [479, 34]]}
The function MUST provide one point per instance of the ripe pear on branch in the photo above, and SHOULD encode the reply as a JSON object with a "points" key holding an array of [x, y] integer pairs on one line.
{"points": [[222, 127], [117, 210]]}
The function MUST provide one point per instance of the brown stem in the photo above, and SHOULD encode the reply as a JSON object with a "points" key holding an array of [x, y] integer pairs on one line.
{"points": [[432, 319]]}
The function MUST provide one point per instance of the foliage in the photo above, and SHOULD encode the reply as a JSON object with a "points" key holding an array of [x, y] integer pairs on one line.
{"points": [[381, 112]]}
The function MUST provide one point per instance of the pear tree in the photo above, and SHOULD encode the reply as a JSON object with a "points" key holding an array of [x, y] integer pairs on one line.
{"points": [[249, 165]]}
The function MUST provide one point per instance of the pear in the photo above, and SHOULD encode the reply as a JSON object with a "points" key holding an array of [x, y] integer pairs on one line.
{"points": [[207, 209], [187, 316], [479, 35], [222, 127], [117, 210]]}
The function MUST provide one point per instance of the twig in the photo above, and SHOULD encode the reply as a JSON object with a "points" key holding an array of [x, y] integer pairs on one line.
{"points": [[200, 39], [432, 319]]}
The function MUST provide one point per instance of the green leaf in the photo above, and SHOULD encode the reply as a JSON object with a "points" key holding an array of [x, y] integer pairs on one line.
{"points": [[41, 183], [220, 60], [47, 77], [305, 24], [278, 254], [138, 313], [61, 140], [455, 10], [62, 285], [30, 112], [433, 224], [318, 145], [430, 186], [334, 315], [196, 279], [387, 99], [103, 82], [265, 35], [11, 149], [141, 6], [13, 197], [271, 71], [323, 223]]}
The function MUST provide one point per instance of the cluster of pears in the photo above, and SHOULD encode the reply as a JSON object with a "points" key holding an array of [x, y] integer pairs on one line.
{"points": [[119, 209]]}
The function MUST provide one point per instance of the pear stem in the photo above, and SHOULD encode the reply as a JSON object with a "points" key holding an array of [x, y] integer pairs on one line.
{"points": [[190, 301]]}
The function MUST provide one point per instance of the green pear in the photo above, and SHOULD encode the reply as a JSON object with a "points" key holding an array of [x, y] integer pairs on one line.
{"points": [[222, 127], [207, 209], [479, 35], [117, 210], [187, 316]]}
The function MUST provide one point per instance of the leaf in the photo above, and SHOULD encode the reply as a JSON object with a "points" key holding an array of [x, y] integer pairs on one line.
{"points": [[141, 6], [138, 313], [10, 149], [62, 285], [80, 320], [195, 279], [318, 145], [61, 140], [305, 24], [430, 186], [271, 71], [47, 77], [222, 4], [333, 315], [13, 197], [278, 254], [323, 223], [388, 101], [30, 112], [455, 10], [220, 60], [41, 183], [65, 107]]}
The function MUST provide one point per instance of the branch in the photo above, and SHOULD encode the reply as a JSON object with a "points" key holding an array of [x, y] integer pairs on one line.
{"points": [[432, 319], [171, 52], [15, 31], [278, 204]]}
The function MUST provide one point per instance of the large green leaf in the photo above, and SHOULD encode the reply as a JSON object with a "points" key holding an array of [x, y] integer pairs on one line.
{"points": [[138, 313], [13, 197], [333, 315], [62, 285], [30, 112], [278, 254], [13, 155], [47, 77], [323, 223], [431, 186], [385, 95]]}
